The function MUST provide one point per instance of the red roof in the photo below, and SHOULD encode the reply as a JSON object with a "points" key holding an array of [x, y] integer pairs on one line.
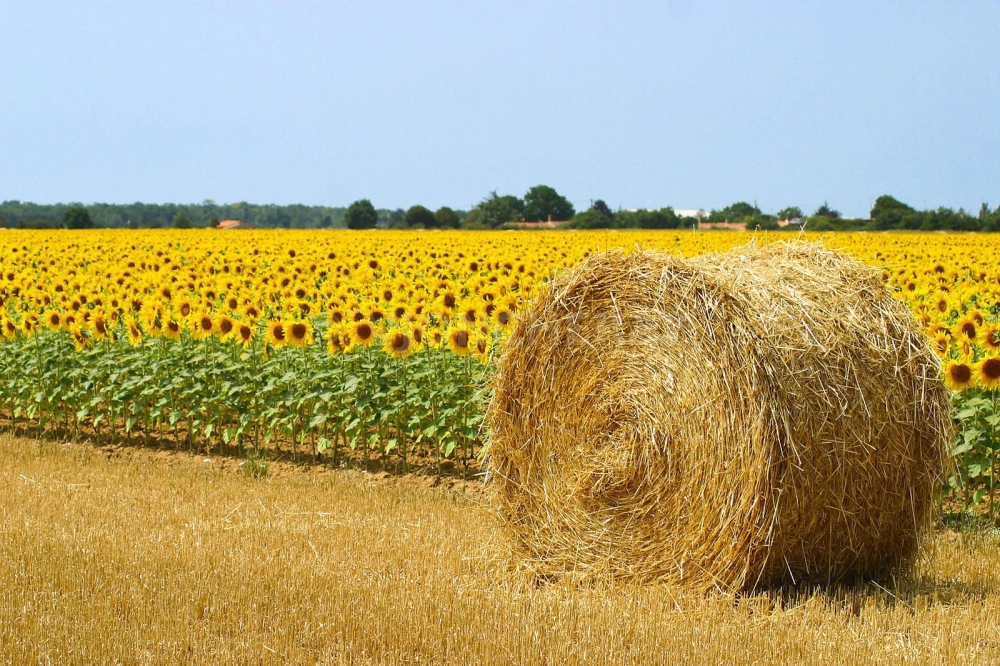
{"points": [[233, 224]]}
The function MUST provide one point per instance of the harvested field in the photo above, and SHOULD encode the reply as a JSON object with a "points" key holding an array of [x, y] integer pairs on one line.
{"points": [[124, 559]]}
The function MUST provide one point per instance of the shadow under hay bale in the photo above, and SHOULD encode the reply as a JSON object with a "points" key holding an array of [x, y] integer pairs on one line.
{"points": [[766, 416]]}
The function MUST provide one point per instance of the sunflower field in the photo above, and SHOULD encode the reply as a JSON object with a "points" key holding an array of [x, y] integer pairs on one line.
{"points": [[376, 347]]}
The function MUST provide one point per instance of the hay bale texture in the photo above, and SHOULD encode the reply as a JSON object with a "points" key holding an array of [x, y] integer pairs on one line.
{"points": [[765, 416]]}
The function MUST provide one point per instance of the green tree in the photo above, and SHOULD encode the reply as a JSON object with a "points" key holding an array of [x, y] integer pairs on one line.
{"points": [[591, 219], [361, 215], [213, 222], [396, 218], [790, 213], [542, 201], [77, 217], [762, 222], [182, 221], [890, 213], [474, 219], [447, 218], [603, 209], [497, 210], [665, 218], [740, 211], [827, 212], [419, 217]]}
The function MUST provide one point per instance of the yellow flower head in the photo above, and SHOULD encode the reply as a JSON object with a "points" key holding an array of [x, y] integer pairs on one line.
{"points": [[276, 335], [988, 372], [299, 333], [958, 375]]}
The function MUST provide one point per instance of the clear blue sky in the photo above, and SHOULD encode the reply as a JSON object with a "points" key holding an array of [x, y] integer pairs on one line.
{"points": [[643, 104]]}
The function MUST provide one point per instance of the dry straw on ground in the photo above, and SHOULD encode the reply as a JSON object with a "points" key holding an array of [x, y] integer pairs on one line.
{"points": [[770, 415]]}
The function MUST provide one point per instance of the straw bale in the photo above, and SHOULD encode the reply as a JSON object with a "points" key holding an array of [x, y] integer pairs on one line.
{"points": [[765, 416]]}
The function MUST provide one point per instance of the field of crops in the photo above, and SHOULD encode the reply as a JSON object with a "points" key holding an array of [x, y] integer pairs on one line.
{"points": [[375, 347]]}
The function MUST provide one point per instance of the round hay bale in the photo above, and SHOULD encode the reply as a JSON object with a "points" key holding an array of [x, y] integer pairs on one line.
{"points": [[764, 416]]}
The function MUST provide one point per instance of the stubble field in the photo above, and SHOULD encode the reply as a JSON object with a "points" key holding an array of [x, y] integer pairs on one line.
{"points": [[125, 559]]}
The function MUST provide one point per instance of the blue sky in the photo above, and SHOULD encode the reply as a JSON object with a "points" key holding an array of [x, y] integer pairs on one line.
{"points": [[642, 104]]}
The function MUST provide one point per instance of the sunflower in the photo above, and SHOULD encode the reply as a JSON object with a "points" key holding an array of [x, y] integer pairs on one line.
{"points": [[483, 349], [447, 300], [941, 304], [958, 375], [151, 315], [172, 330], [400, 313], [251, 312], [53, 320], [965, 327], [335, 315], [436, 338], [244, 334], [990, 338], [183, 308], [102, 331], [398, 344], [362, 332], [460, 341], [337, 340], [988, 372], [225, 327], [299, 333], [9, 328], [469, 313], [940, 343], [29, 324], [80, 339], [133, 331], [417, 333], [276, 335], [503, 317], [202, 326]]}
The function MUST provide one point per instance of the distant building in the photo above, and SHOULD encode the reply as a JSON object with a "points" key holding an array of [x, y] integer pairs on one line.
{"points": [[793, 222], [234, 224], [697, 213]]}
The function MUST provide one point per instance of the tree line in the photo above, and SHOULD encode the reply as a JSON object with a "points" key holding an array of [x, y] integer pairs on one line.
{"points": [[541, 203]]}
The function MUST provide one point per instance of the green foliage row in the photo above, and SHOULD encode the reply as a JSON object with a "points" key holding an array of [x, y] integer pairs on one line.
{"points": [[492, 212], [208, 394], [972, 483], [139, 215], [539, 204]]}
